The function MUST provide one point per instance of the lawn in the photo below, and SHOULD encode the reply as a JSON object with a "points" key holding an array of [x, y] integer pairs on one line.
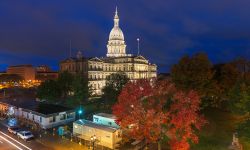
{"points": [[217, 135]]}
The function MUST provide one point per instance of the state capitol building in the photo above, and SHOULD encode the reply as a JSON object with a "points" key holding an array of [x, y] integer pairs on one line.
{"points": [[116, 60]]}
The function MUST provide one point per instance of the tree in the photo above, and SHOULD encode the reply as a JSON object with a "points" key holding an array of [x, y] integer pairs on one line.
{"points": [[65, 80], [159, 113], [72, 89], [80, 89], [240, 99], [114, 84], [193, 73], [49, 90], [229, 75]]}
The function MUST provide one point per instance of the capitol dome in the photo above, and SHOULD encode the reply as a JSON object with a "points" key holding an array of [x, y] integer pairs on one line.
{"points": [[116, 34], [116, 45]]}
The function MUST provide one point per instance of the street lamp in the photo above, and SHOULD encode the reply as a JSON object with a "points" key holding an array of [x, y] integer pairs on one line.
{"points": [[79, 113], [93, 140]]}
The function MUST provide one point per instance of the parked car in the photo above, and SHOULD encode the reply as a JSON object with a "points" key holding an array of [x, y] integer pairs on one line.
{"points": [[25, 135], [14, 130]]}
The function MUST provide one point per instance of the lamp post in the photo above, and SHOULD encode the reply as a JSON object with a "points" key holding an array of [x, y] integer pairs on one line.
{"points": [[93, 140], [80, 111]]}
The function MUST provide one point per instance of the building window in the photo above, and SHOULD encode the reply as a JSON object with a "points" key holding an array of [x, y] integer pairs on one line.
{"points": [[52, 119], [96, 119], [71, 115], [62, 117]]}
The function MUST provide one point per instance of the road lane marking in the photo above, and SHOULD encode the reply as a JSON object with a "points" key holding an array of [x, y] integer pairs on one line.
{"points": [[16, 141], [10, 142]]}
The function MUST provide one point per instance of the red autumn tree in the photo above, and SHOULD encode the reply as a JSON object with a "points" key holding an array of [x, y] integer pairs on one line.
{"points": [[156, 111]]}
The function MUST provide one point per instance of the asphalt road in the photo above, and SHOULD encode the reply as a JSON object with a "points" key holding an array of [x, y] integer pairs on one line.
{"points": [[11, 142], [4, 145]]}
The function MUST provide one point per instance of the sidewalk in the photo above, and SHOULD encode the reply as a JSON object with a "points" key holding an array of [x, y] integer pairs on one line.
{"points": [[59, 143]]}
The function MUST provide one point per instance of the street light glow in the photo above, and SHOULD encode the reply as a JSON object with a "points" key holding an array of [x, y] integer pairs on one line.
{"points": [[79, 111]]}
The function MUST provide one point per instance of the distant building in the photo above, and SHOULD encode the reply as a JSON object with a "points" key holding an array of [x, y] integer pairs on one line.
{"points": [[2, 73], [43, 76], [106, 135], [43, 68], [46, 115], [97, 69], [44, 73], [27, 72]]}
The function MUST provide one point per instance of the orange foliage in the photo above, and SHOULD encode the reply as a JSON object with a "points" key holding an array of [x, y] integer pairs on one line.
{"points": [[150, 111]]}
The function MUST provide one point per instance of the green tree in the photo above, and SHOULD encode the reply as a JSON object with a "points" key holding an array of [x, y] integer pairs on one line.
{"points": [[114, 84], [239, 97], [49, 90], [195, 73], [65, 80], [80, 89]]}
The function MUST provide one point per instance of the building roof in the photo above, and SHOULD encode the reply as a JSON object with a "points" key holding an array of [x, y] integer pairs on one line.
{"points": [[42, 72], [36, 107], [94, 125], [28, 65], [74, 59], [105, 115]]}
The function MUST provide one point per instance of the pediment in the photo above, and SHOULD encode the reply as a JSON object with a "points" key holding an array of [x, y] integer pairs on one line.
{"points": [[96, 59], [140, 57]]}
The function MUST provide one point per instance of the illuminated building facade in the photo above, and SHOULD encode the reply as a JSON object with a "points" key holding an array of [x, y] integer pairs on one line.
{"points": [[107, 135], [116, 60]]}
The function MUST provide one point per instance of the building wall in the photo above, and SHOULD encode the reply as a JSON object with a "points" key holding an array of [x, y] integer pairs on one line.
{"points": [[104, 138], [27, 72], [43, 76], [96, 70], [3, 107], [43, 120]]}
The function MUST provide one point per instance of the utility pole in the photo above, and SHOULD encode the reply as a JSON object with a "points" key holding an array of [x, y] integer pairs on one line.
{"points": [[138, 46], [70, 49]]}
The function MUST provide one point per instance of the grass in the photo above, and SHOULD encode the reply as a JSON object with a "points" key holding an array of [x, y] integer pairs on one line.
{"points": [[217, 135]]}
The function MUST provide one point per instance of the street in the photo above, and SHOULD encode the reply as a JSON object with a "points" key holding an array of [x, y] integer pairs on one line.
{"points": [[11, 142], [5, 145]]}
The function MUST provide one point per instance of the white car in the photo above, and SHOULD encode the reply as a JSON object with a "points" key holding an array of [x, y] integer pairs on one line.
{"points": [[14, 130], [25, 135]]}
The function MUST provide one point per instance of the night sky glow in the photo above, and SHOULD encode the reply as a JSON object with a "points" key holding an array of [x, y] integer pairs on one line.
{"points": [[38, 32]]}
